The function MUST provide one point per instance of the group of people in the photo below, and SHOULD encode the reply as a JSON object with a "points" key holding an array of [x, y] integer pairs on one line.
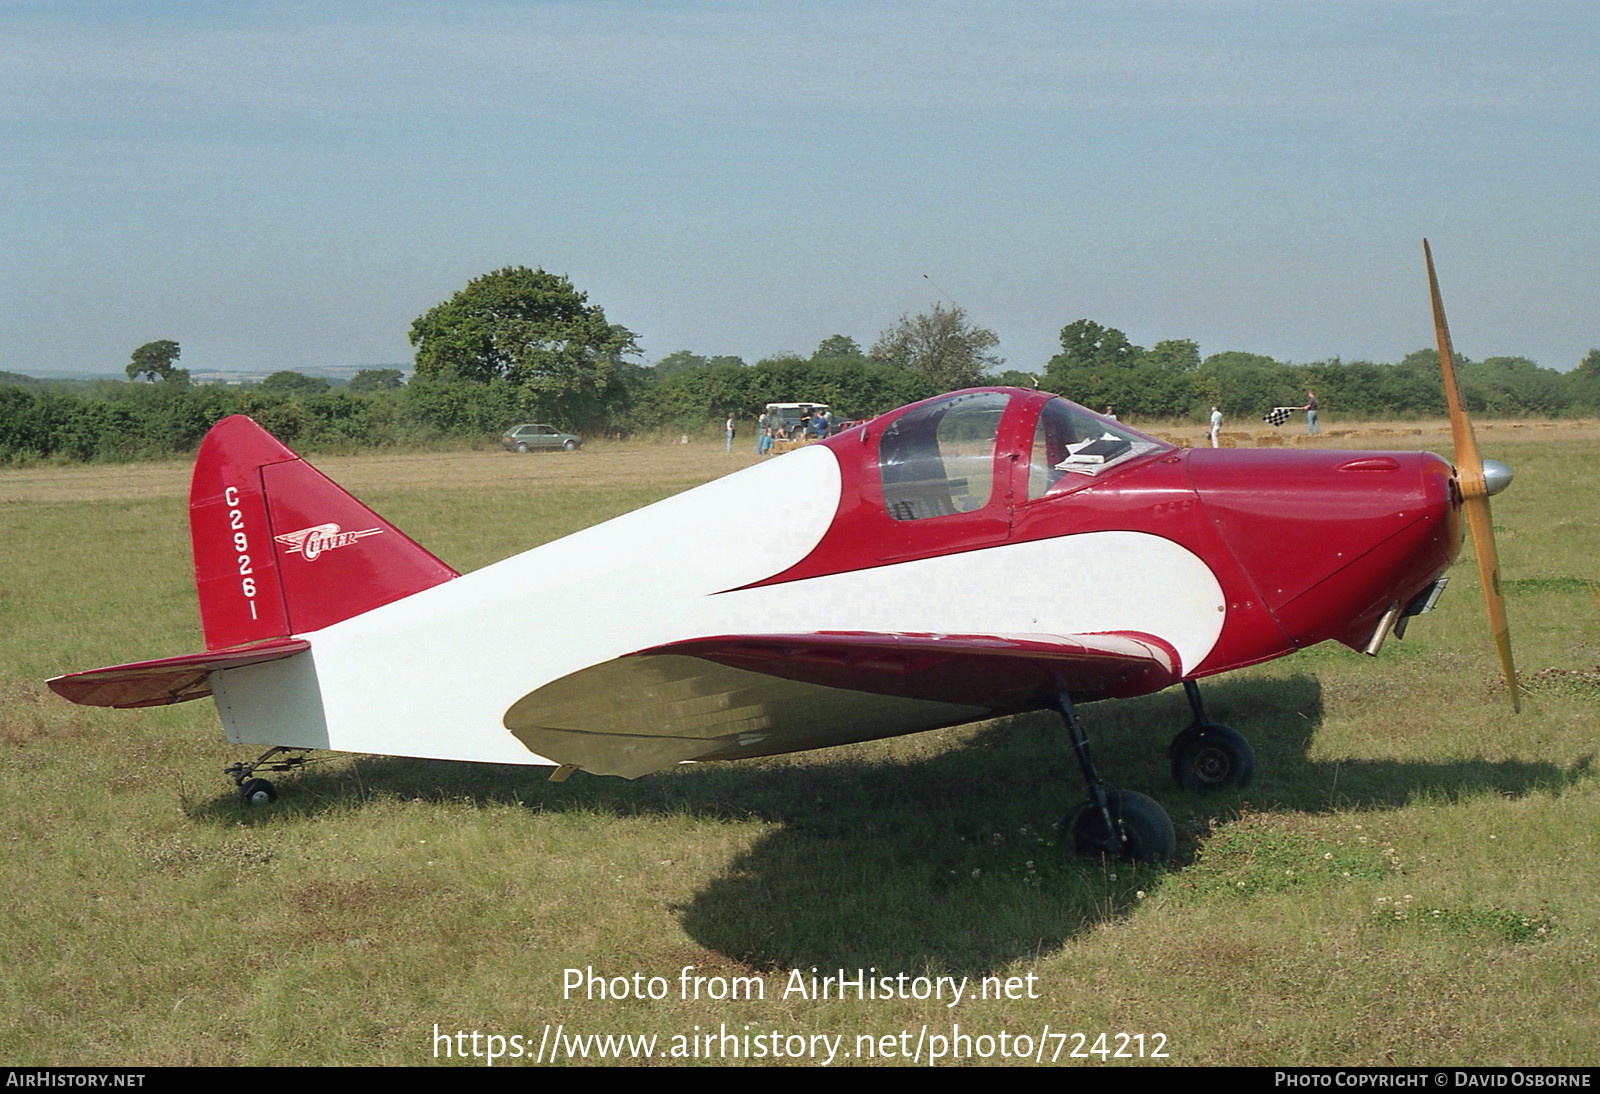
{"points": [[770, 430]]}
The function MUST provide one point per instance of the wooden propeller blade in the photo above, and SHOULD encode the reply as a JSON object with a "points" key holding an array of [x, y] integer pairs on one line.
{"points": [[1474, 491], [1480, 527]]}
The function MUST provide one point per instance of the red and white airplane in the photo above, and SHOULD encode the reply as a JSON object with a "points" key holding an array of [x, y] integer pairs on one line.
{"points": [[977, 554]]}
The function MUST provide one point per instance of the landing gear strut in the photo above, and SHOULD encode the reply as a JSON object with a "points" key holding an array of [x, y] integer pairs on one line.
{"points": [[254, 791], [1113, 823], [1209, 756]]}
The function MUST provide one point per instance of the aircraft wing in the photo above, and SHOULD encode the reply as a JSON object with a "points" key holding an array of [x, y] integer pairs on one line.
{"points": [[168, 680], [736, 696]]}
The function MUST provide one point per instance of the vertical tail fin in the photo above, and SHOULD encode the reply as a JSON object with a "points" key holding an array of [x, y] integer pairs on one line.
{"points": [[280, 549]]}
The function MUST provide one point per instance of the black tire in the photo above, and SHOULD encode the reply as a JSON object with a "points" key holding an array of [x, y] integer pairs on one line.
{"points": [[1212, 757], [522, 448], [571, 446], [1143, 831], [258, 792]]}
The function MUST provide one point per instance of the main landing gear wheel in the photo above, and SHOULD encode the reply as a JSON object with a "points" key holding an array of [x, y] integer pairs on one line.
{"points": [[1115, 823], [1141, 830], [1211, 757], [257, 792]]}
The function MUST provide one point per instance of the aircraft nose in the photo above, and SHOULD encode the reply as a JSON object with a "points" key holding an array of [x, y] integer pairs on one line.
{"points": [[1331, 540]]}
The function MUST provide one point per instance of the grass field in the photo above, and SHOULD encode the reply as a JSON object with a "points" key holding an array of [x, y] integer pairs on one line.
{"points": [[1413, 877]]}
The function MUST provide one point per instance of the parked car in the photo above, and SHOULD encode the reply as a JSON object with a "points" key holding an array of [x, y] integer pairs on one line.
{"points": [[534, 436]]}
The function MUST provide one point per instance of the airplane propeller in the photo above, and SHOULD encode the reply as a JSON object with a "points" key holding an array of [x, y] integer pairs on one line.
{"points": [[1477, 479]]}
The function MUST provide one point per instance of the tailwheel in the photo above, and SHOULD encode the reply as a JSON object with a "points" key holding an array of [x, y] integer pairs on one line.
{"points": [[1208, 757], [254, 791], [257, 792], [1141, 830]]}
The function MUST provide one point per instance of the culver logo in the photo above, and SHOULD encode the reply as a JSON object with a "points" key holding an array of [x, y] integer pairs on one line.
{"points": [[312, 541]]}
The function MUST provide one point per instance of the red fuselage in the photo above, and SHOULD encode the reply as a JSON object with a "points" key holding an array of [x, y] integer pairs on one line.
{"points": [[1306, 545]]}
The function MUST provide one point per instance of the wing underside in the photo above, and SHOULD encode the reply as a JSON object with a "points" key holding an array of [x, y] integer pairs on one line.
{"points": [[733, 697]]}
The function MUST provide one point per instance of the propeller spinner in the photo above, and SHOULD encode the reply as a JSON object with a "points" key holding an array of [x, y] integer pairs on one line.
{"points": [[1477, 479]]}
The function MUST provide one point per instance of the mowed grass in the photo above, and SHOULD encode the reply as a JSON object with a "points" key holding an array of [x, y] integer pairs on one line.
{"points": [[1412, 878]]}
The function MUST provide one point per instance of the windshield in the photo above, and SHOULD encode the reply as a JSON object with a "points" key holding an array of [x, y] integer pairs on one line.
{"points": [[1071, 444]]}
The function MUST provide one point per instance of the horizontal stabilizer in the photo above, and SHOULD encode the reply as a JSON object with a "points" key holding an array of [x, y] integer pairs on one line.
{"points": [[168, 680]]}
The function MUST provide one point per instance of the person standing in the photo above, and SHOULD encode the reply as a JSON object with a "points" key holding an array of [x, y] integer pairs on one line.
{"points": [[1310, 408], [1216, 424], [728, 426]]}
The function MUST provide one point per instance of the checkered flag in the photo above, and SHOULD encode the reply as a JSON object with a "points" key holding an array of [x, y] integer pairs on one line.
{"points": [[1278, 414]]}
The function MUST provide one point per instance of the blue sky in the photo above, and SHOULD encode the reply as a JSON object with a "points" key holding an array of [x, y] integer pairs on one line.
{"points": [[284, 185]]}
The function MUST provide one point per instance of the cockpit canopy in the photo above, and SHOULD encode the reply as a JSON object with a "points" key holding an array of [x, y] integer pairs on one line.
{"points": [[939, 458]]}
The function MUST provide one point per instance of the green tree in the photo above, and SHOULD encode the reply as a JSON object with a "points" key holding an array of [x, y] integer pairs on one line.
{"points": [[1086, 343], [706, 392], [1412, 386], [155, 360], [676, 362], [837, 346], [532, 329], [1164, 376], [375, 379], [1590, 365], [941, 345], [1516, 385], [1244, 385], [288, 383], [1355, 388], [1096, 367]]}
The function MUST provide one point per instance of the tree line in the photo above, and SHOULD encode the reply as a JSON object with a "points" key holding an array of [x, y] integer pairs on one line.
{"points": [[519, 345], [1098, 366]]}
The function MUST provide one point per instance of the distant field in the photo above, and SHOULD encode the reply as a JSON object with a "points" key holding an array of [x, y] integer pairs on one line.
{"points": [[1411, 879]]}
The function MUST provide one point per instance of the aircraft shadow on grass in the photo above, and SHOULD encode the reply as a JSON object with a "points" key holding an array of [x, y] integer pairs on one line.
{"points": [[949, 861]]}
